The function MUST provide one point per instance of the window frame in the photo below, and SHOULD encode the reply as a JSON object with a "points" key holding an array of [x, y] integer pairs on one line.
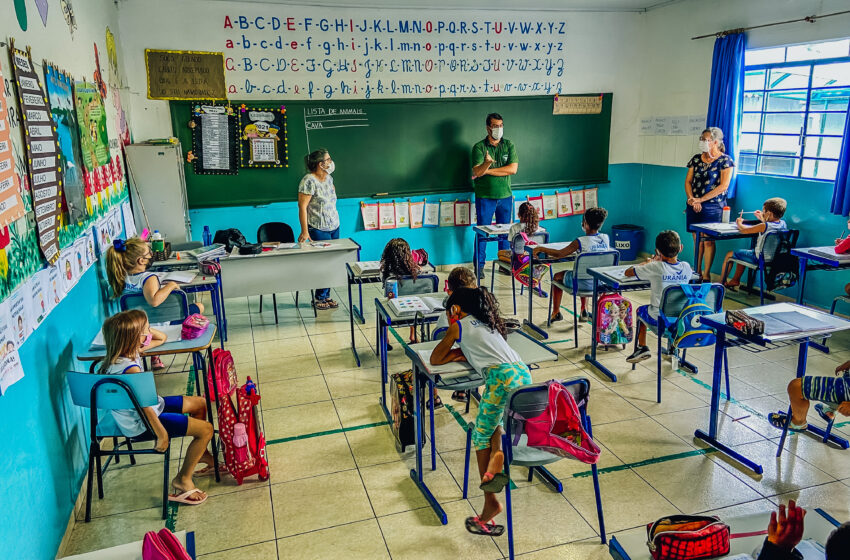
{"points": [[804, 133]]}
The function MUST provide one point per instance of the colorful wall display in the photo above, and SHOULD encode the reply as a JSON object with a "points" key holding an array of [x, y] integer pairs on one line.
{"points": [[42, 147], [262, 137], [91, 118], [11, 204]]}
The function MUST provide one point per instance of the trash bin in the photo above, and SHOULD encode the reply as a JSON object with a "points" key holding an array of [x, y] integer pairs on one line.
{"points": [[628, 239]]}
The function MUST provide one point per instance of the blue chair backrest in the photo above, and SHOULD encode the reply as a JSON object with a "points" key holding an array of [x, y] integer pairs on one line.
{"points": [[774, 242], [584, 261], [673, 300], [529, 401], [109, 394], [424, 284], [175, 308], [518, 242]]}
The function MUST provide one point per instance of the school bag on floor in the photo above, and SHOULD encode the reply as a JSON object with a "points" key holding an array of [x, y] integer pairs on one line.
{"points": [[613, 316], [526, 274], [402, 409], [686, 331], [163, 545]]}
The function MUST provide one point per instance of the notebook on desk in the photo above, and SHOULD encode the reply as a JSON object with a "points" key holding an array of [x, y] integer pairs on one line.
{"points": [[173, 333], [788, 322], [364, 268], [830, 253], [179, 276]]}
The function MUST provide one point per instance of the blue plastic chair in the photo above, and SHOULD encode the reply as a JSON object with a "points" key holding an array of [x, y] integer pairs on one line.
{"points": [[767, 253], [583, 262], [175, 308], [518, 249], [424, 284], [116, 392], [673, 301], [527, 402]]}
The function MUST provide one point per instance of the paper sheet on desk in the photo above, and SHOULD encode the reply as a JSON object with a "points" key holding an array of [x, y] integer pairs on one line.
{"points": [[554, 246], [179, 276], [173, 333], [288, 246], [446, 370], [721, 227], [785, 322], [618, 273]]}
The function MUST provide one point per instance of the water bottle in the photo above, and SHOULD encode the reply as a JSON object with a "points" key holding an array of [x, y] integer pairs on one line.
{"points": [[157, 244], [207, 236], [391, 289], [726, 212]]}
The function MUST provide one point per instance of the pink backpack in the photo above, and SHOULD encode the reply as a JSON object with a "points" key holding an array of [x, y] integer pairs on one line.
{"points": [[224, 371], [559, 430], [420, 257], [613, 316], [163, 546], [194, 326]]}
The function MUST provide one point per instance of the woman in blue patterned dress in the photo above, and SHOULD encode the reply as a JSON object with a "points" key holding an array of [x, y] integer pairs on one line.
{"points": [[709, 173], [317, 210]]}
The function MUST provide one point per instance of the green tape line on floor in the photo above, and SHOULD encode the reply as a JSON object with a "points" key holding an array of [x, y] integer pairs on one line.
{"points": [[397, 337], [327, 432], [557, 341], [171, 517], [732, 400], [645, 462], [190, 383]]}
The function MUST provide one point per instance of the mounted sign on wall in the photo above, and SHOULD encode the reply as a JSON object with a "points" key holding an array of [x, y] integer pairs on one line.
{"points": [[185, 75]]}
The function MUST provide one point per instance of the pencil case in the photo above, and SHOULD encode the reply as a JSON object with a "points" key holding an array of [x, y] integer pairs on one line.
{"points": [[194, 326], [687, 537], [744, 323]]}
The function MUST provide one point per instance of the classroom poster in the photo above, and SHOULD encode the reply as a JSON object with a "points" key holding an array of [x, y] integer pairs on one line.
{"points": [[17, 307], [447, 213], [90, 248], [462, 213], [590, 199], [104, 238], [517, 203], [473, 217], [578, 202], [55, 287], [370, 215], [11, 203], [42, 147], [417, 212], [60, 93], [402, 214], [565, 204], [68, 269], [129, 220], [38, 309], [116, 225], [432, 214], [550, 207], [262, 137], [537, 202], [386, 215], [91, 120], [11, 370], [79, 252]]}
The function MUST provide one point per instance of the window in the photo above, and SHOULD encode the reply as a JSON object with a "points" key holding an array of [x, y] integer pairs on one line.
{"points": [[795, 105]]}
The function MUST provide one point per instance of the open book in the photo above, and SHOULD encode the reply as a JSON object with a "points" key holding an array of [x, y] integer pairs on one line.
{"points": [[363, 268], [410, 305], [179, 276]]}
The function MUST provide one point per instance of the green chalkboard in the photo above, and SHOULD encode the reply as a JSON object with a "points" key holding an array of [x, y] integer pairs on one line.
{"points": [[407, 147]]}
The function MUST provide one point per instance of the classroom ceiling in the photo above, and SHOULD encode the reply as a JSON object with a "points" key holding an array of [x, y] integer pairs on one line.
{"points": [[567, 5]]}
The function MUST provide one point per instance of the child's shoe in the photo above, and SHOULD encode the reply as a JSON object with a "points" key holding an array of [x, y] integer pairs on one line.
{"points": [[156, 363], [585, 316], [640, 354]]}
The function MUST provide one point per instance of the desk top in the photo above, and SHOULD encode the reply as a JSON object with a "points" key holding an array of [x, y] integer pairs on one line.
{"points": [[823, 255], [335, 245], [381, 305], [179, 347], [375, 275], [817, 527], [497, 230], [832, 323], [720, 230]]}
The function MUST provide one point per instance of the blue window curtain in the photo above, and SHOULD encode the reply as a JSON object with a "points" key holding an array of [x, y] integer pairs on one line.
{"points": [[841, 192], [727, 93]]}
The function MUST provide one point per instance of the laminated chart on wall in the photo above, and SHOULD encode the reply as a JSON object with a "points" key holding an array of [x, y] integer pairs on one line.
{"points": [[565, 204], [517, 203], [432, 214], [578, 202], [402, 214], [386, 215], [447, 213], [129, 220], [94, 142], [42, 147], [39, 305], [462, 212], [60, 94], [215, 140], [11, 204], [590, 198], [537, 202], [18, 305], [262, 137], [370, 215], [11, 370], [417, 213], [550, 207]]}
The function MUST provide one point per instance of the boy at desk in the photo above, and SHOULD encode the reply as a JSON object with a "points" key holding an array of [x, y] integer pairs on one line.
{"points": [[770, 219], [833, 394], [665, 269]]}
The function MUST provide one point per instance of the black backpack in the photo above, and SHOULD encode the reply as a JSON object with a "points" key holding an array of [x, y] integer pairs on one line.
{"points": [[230, 238], [782, 272]]}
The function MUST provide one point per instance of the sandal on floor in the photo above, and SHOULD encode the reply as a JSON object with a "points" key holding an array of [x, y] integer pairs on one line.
{"points": [[438, 402], [331, 303], [732, 286], [496, 484], [459, 396], [824, 412], [475, 526], [777, 420], [322, 305], [184, 498]]}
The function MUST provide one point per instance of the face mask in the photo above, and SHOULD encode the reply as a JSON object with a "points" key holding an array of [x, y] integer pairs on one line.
{"points": [[496, 133], [147, 340], [704, 146], [330, 168]]}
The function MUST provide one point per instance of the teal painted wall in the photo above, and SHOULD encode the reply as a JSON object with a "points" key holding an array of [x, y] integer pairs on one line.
{"points": [[44, 448]]}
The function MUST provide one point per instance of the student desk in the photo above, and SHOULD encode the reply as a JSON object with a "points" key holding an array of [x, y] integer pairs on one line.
{"points": [[550, 261], [748, 533], [456, 376], [487, 234], [719, 231], [611, 281], [358, 279], [728, 337], [289, 270], [387, 317], [201, 283], [819, 261], [201, 350], [133, 551]]}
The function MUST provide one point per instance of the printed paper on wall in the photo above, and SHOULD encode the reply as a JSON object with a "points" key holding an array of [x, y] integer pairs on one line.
{"points": [[402, 214], [590, 200], [432, 214], [370, 215], [417, 213], [386, 215], [462, 213], [17, 306], [447, 213], [38, 308], [578, 202], [550, 207], [565, 204], [11, 370], [537, 202]]}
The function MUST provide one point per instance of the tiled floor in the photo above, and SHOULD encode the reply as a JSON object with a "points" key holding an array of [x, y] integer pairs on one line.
{"points": [[338, 485]]}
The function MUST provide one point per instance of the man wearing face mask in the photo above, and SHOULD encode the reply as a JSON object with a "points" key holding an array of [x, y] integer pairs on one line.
{"points": [[317, 210], [494, 160]]}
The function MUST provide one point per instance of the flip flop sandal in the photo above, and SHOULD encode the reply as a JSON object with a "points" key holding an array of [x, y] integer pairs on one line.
{"points": [[210, 471], [777, 420], [184, 498], [459, 396], [331, 303], [557, 317], [489, 529], [496, 484], [731, 286], [824, 412], [321, 305], [438, 402]]}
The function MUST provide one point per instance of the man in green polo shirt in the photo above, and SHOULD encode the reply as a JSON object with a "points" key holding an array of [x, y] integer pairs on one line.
{"points": [[494, 160]]}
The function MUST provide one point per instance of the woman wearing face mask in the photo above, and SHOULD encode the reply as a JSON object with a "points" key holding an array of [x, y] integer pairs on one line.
{"points": [[317, 210], [709, 173]]}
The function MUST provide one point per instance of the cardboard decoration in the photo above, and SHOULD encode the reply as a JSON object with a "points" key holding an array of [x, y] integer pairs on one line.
{"points": [[462, 208], [447, 213], [417, 213], [43, 155], [565, 204], [11, 203], [590, 198], [578, 202], [386, 215], [370, 215], [402, 214], [537, 202], [550, 207], [262, 137]]}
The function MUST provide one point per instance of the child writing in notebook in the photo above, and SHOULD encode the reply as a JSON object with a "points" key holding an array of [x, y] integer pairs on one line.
{"points": [[127, 264], [529, 222], [125, 335], [479, 330], [665, 269], [396, 262], [770, 219], [591, 242], [459, 277]]}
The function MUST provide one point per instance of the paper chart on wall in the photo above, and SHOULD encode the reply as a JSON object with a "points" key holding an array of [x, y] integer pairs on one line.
{"points": [[417, 212], [129, 220], [662, 126], [402, 214], [91, 254], [104, 237], [447, 213], [696, 124], [537, 202], [17, 307], [386, 215], [11, 204], [432, 214], [565, 204], [11, 370], [67, 269], [116, 227], [550, 207], [369, 212], [517, 203], [578, 202], [55, 287], [679, 125], [462, 213], [79, 256], [590, 199], [37, 308], [647, 126]]}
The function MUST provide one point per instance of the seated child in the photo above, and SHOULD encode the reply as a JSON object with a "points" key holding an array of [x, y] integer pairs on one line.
{"points": [[842, 246], [397, 261], [665, 269], [459, 277], [785, 531], [832, 394], [591, 242], [479, 330], [529, 222], [126, 334], [770, 219]]}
